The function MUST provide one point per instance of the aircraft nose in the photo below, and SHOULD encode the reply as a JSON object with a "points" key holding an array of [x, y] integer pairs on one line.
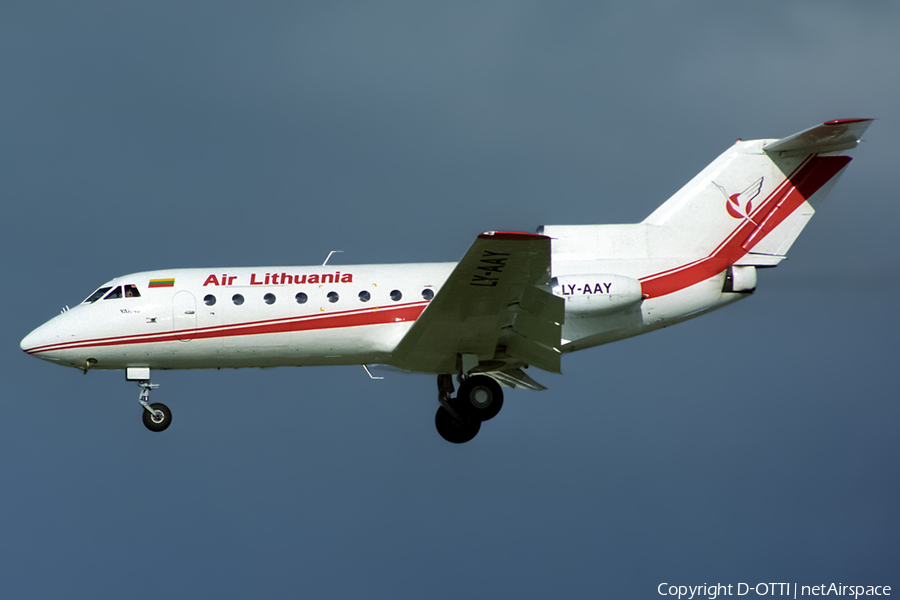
{"points": [[27, 342], [52, 341], [43, 336]]}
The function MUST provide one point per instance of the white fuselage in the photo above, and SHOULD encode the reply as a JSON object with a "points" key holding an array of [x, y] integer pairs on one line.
{"points": [[326, 315]]}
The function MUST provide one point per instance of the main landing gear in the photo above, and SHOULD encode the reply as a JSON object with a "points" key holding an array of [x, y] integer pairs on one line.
{"points": [[459, 419], [157, 416]]}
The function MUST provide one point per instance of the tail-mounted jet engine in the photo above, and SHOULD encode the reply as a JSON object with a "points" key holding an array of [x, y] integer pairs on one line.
{"points": [[595, 294]]}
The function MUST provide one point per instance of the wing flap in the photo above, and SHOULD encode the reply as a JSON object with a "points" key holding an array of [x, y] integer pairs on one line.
{"points": [[544, 305], [534, 353], [516, 378], [540, 330]]}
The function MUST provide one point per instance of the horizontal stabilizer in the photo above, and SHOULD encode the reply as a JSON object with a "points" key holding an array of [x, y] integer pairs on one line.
{"points": [[759, 259], [832, 136]]}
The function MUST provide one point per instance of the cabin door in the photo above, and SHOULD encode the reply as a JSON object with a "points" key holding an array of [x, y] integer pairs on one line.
{"points": [[184, 315]]}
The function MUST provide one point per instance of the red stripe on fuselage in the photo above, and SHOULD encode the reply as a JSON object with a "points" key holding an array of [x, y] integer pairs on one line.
{"points": [[805, 181], [352, 318]]}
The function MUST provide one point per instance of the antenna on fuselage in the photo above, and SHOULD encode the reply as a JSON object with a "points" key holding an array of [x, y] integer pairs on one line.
{"points": [[329, 256], [369, 373]]}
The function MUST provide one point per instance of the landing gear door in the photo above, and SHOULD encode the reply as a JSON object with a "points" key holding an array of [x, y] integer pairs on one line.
{"points": [[184, 315]]}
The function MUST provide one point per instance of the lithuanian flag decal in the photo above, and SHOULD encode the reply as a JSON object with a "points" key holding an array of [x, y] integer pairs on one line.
{"points": [[158, 283]]}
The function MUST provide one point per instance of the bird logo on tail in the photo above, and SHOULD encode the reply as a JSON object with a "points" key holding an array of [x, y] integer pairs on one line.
{"points": [[740, 206]]}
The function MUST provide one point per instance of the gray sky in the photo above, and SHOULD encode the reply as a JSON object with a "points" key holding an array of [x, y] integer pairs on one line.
{"points": [[757, 444]]}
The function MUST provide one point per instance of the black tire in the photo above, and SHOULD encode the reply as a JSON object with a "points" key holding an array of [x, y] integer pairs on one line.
{"points": [[455, 431], [480, 397], [156, 421]]}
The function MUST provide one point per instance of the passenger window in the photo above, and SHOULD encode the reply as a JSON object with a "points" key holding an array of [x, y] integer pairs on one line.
{"points": [[333, 297], [131, 291], [209, 300], [96, 295], [237, 299], [269, 298], [115, 294], [301, 298], [396, 295], [428, 294], [364, 296]]}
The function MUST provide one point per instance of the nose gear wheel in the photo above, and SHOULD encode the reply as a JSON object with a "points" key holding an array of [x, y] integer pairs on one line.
{"points": [[157, 416]]}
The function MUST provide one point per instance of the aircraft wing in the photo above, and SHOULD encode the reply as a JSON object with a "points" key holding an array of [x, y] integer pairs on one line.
{"points": [[495, 305]]}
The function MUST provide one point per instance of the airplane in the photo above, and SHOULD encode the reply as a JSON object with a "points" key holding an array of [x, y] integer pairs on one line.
{"points": [[515, 300]]}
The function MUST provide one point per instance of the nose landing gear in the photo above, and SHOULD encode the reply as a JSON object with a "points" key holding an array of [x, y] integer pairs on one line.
{"points": [[157, 416]]}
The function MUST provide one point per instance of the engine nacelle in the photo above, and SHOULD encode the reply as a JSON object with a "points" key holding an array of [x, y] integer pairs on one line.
{"points": [[741, 280], [595, 294]]}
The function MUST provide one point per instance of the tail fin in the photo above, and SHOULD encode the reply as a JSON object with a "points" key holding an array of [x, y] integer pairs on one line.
{"points": [[750, 204]]}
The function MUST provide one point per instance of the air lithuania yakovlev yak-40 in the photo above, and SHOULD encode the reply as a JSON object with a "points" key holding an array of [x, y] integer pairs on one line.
{"points": [[514, 300]]}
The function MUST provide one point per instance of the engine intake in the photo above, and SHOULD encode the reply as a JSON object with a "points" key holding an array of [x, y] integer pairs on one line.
{"points": [[740, 280]]}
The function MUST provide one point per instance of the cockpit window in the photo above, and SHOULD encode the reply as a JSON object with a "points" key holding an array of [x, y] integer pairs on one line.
{"points": [[116, 293], [97, 295], [131, 291]]}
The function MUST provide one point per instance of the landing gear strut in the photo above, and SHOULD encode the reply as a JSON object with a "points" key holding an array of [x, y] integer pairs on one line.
{"points": [[459, 419], [157, 416]]}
